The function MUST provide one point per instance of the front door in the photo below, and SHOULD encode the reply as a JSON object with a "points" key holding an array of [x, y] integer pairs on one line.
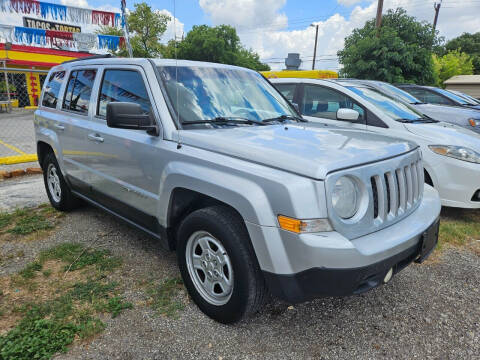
{"points": [[125, 165], [320, 104]]}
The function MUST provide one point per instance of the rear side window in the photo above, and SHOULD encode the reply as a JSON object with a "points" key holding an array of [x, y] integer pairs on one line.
{"points": [[50, 94], [123, 86], [79, 91], [287, 90]]}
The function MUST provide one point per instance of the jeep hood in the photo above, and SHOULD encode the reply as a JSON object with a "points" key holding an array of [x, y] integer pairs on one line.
{"points": [[306, 151]]}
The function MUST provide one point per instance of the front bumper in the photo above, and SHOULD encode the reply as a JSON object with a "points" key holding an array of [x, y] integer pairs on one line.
{"points": [[456, 181], [300, 267]]}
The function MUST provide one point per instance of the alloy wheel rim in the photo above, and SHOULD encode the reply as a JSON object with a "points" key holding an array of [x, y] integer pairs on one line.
{"points": [[53, 182], [209, 267]]}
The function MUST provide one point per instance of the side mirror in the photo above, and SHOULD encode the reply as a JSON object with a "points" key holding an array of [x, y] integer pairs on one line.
{"points": [[127, 115], [348, 115]]}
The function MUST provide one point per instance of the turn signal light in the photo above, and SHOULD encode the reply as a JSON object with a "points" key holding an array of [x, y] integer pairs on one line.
{"points": [[473, 122], [303, 226]]}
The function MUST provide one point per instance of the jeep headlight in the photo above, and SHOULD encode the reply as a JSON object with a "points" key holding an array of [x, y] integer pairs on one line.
{"points": [[456, 152], [345, 197]]}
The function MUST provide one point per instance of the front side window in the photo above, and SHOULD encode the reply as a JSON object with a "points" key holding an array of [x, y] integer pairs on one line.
{"points": [[287, 90], [123, 86], [428, 97], [79, 91], [391, 107], [50, 94], [322, 102], [454, 97], [206, 93]]}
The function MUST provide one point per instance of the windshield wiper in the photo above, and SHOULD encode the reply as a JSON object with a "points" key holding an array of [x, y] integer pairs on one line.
{"points": [[283, 118], [418, 103], [424, 119], [224, 120]]}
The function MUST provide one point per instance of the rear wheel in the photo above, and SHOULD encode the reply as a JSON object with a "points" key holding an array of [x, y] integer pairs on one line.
{"points": [[218, 264], [58, 191]]}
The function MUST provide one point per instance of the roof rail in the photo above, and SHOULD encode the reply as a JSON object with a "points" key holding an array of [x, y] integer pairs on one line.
{"points": [[101, 56]]}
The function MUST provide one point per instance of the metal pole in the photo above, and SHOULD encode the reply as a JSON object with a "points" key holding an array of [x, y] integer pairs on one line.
{"points": [[437, 10], [315, 47], [378, 22], [125, 28]]}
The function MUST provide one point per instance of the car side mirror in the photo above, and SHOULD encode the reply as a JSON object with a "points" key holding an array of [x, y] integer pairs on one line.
{"points": [[348, 115], [127, 115]]}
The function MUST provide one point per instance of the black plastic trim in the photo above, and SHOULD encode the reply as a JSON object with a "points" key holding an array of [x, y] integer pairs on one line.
{"points": [[131, 215], [322, 282]]}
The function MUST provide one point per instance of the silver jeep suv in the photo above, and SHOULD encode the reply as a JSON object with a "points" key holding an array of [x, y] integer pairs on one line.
{"points": [[212, 161]]}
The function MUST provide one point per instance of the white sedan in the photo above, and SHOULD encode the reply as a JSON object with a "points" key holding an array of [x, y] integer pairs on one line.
{"points": [[451, 153]]}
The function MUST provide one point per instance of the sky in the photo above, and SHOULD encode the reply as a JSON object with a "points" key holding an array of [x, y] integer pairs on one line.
{"points": [[274, 28]]}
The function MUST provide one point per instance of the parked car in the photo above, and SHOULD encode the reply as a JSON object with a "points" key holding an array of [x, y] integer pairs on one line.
{"points": [[451, 153], [212, 161], [467, 118], [466, 96], [434, 95]]}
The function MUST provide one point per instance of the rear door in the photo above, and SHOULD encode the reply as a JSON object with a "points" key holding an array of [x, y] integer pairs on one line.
{"points": [[125, 165], [75, 115], [320, 104]]}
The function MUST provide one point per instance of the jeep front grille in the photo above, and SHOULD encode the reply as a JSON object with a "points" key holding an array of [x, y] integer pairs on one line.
{"points": [[396, 191], [391, 190]]}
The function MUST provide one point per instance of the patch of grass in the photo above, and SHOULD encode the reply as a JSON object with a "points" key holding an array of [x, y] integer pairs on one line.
{"points": [[459, 227], [92, 290], [28, 221], [44, 328], [47, 273], [29, 271], [5, 220], [29, 224], [114, 306], [164, 297], [78, 257]]}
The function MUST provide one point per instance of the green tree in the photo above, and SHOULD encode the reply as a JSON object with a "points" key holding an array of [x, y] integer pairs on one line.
{"points": [[219, 44], [146, 29], [400, 53], [451, 64], [469, 44]]}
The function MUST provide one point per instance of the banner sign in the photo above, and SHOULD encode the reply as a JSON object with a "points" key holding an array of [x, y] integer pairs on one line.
{"points": [[49, 25]]}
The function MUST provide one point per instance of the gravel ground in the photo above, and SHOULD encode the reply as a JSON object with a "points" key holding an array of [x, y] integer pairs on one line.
{"points": [[427, 311]]}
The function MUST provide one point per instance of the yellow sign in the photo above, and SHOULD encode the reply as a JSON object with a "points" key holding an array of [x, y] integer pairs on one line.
{"points": [[308, 74]]}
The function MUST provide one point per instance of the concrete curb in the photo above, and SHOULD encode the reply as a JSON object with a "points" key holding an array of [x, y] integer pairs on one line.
{"points": [[19, 172]]}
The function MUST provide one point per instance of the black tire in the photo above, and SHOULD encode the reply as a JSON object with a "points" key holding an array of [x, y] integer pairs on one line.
{"points": [[66, 201], [249, 292]]}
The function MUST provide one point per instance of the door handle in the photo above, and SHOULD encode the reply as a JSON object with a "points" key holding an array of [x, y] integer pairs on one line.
{"points": [[59, 127], [95, 137]]}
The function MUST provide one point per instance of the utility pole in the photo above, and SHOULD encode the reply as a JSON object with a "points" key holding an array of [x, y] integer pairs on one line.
{"points": [[125, 28], [378, 22], [437, 10], [315, 47]]}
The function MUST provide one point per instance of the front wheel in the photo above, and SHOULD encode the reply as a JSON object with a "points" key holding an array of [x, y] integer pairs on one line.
{"points": [[218, 264]]}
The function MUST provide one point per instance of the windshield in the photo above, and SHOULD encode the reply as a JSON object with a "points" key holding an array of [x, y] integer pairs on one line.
{"points": [[452, 96], [469, 98], [207, 93], [393, 108], [396, 92]]}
